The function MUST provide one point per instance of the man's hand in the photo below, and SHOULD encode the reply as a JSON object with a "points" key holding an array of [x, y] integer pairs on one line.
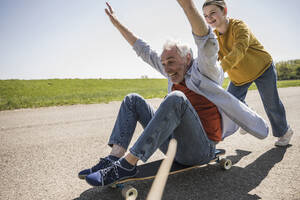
{"points": [[183, 2], [197, 22], [110, 13], [128, 35]]}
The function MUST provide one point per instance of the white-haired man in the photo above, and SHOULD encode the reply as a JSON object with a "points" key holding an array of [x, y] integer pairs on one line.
{"points": [[190, 113]]}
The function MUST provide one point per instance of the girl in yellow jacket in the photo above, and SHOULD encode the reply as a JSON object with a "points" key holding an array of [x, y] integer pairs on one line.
{"points": [[245, 60]]}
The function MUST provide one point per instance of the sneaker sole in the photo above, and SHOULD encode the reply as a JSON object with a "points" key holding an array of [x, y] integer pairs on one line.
{"points": [[82, 176], [281, 145]]}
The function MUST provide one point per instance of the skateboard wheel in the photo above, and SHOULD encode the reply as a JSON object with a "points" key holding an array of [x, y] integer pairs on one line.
{"points": [[129, 192], [225, 163]]}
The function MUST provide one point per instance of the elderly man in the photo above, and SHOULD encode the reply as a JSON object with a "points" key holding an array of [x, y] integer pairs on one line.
{"points": [[197, 112]]}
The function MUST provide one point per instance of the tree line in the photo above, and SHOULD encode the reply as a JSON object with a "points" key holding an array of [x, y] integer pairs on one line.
{"points": [[288, 70]]}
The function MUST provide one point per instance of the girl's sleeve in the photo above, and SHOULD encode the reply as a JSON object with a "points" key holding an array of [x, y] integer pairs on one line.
{"points": [[241, 38]]}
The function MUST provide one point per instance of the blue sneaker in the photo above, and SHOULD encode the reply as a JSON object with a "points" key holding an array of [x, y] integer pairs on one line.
{"points": [[110, 175], [102, 164]]}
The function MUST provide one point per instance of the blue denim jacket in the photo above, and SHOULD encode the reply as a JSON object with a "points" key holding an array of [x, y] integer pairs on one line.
{"points": [[205, 77]]}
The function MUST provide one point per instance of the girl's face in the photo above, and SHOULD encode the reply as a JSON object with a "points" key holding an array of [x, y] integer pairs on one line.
{"points": [[214, 15]]}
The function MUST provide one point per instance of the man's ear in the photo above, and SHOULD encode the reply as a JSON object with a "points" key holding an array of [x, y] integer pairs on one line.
{"points": [[188, 59]]}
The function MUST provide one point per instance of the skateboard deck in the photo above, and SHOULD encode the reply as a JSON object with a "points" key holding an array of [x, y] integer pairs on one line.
{"points": [[148, 170]]}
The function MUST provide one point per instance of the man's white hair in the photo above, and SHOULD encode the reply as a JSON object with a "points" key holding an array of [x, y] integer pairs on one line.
{"points": [[183, 49]]}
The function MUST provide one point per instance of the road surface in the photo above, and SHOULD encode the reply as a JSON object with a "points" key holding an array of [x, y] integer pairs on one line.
{"points": [[42, 150]]}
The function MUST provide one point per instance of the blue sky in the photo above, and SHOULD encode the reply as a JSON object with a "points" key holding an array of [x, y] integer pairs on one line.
{"points": [[41, 39]]}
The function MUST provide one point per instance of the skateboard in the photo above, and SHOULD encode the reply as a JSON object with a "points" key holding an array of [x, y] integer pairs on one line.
{"points": [[149, 170]]}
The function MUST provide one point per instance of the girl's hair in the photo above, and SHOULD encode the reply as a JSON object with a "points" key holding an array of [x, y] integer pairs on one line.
{"points": [[220, 3], [183, 49]]}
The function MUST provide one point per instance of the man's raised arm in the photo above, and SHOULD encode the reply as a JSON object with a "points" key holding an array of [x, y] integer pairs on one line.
{"points": [[197, 22], [128, 35], [142, 49]]}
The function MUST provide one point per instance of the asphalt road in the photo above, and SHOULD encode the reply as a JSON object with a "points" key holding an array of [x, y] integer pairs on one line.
{"points": [[42, 150]]}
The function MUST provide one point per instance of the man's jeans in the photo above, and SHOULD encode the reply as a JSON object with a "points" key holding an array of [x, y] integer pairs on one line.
{"points": [[267, 88], [175, 118]]}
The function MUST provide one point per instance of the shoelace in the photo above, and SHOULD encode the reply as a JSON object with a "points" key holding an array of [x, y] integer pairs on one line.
{"points": [[103, 161], [111, 170]]}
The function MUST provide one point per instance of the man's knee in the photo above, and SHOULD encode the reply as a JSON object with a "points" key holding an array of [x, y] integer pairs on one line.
{"points": [[133, 97], [176, 97]]}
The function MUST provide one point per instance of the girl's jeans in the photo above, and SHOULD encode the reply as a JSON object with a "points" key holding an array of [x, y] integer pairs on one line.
{"points": [[175, 118], [267, 88]]}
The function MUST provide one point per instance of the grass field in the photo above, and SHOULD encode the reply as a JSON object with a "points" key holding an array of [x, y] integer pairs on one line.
{"points": [[15, 94]]}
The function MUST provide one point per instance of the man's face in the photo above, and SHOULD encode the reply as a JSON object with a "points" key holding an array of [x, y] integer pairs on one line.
{"points": [[175, 66], [214, 16]]}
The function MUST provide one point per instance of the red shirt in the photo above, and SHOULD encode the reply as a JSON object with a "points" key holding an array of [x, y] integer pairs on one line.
{"points": [[207, 111]]}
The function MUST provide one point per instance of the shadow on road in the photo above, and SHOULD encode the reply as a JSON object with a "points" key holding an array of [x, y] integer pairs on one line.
{"points": [[206, 182]]}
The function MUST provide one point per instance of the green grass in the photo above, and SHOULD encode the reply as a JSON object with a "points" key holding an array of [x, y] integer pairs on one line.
{"points": [[15, 94], [280, 84]]}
